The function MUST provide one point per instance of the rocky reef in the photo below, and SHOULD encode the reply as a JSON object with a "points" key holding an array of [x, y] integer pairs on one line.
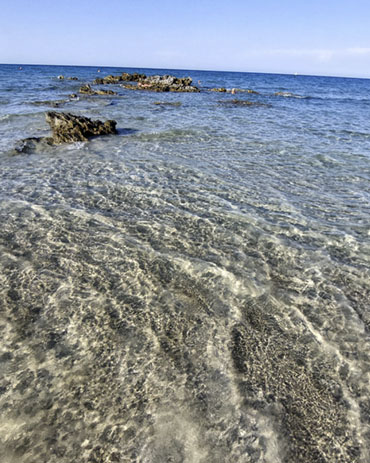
{"points": [[167, 83], [158, 83], [87, 90], [66, 128]]}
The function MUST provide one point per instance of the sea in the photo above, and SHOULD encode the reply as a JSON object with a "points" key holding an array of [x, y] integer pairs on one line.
{"points": [[194, 289]]}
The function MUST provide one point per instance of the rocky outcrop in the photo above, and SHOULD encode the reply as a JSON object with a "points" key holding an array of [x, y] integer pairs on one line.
{"points": [[125, 77], [135, 77], [87, 90], [66, 128], [167, 84], [108, 80], [164, 83]]}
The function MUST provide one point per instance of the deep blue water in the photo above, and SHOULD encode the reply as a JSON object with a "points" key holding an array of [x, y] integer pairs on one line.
{"points": [[195, 288]]}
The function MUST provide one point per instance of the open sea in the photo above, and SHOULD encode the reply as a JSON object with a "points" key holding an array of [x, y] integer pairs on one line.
{"points": [[195, 289]]}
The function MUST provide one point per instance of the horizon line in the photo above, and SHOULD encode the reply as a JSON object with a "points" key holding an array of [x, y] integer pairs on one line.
{"points": [[295, 74]]}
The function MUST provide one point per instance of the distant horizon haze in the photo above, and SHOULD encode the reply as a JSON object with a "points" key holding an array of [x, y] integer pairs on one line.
{"points": [[315, 38]]}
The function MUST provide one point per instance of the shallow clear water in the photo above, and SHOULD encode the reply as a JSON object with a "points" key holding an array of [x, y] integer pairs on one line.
{"points": [[195, 288]]}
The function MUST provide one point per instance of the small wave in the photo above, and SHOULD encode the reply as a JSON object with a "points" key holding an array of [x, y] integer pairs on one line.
{"points": [[291, 95], [177, 135]]}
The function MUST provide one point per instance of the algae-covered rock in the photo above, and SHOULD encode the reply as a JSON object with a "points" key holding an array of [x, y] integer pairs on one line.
{"points": [[87, 90], [135, 77], [67, 128]]}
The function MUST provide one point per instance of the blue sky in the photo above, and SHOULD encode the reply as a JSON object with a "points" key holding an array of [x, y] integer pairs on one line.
{"points": [[322, 37]]}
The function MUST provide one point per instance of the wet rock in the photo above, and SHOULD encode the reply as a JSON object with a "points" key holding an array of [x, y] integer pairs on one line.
{"points": [[67, 128], [112, 79], [31, 145], [61, 77], [73, 96], [221, 90], [87, 90], [52, 103], [72, 78], [104, 92], [135, 77], [164, 83], [167, 83]]}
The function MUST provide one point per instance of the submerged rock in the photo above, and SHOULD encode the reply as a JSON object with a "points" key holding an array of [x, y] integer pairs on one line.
{"points": [[221, 90], [31, 144], [167, 103], [67, 128], [61, 77], [52, 103], [237, 102], [72, 78]]}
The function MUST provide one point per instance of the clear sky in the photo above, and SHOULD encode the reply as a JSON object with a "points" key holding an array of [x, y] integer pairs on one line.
{"points": [[322, 37]]}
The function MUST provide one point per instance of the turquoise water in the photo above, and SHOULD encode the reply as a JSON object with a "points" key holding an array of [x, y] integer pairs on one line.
{"points": [[195, 288]]}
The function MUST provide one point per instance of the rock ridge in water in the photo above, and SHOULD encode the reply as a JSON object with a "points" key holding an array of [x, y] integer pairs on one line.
{"points": [[166, 83], [67, 128], [87, 90]]}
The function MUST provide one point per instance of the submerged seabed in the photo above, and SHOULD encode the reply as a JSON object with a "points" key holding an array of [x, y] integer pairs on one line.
{"points": [[195, 289]]}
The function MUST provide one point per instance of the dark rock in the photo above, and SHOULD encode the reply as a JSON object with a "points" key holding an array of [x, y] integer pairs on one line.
{"points": [[104, 92], [167, 103], [165, 83], [32, 144], [61, 77], [52, 103], [112, 79], [98, 81], [69, 128], [66, 128], [87, 90], [135, 77]]}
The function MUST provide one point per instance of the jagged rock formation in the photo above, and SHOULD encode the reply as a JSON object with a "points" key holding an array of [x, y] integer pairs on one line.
{"points": [[66, 128], [87, 90], [164, 83]]}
